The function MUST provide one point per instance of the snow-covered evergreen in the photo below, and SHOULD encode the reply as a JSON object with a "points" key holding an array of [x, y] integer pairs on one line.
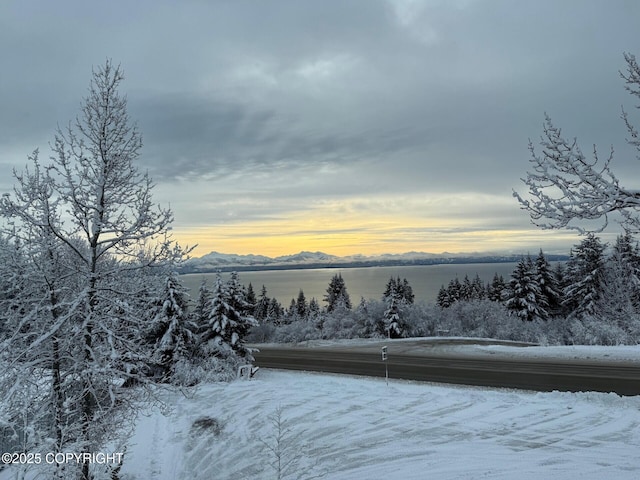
{"points": [[200, 311], [171, 331], [337, 295], [397, 296], [523, 293], [583, 276], [549, 298], [228, 322]]}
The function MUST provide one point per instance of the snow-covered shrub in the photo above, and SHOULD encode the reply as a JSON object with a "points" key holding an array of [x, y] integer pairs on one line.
{"points": [[421, 320], [300, 331], [369, 318], [591, 330], [340, 323]]}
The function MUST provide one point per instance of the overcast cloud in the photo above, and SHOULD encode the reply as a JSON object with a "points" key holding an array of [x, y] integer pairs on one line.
{"points": [[371, 126]]}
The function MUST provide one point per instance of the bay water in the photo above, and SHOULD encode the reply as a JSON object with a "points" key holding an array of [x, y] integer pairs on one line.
{"points": [[367, 282]]}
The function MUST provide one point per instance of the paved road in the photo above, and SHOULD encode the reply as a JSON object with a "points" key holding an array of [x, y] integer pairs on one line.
{"points": [[531, 374]]}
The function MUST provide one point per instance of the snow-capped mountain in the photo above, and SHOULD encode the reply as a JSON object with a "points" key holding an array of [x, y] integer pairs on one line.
{"points": [[223, 261]]}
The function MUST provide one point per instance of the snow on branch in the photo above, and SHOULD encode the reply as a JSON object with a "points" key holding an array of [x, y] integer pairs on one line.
{"points": [[565, 187]]}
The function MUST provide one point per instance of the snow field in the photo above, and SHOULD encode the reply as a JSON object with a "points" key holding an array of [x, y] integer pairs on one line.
{"points": [[352, 428]]}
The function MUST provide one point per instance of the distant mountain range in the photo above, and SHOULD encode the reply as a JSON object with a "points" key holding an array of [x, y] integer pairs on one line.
{"points": [[225, 262]]}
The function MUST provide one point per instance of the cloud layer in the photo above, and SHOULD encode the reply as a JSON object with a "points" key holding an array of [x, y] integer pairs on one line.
{"points": [[363, 127]]}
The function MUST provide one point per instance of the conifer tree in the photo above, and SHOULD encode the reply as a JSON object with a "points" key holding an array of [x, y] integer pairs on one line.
{"points": [[261, 310], [549, 298], [496, 288], [250, 298], [274, 312], [227, 326], [443, 299], [171, 332], [524, 291], [465, 289], [620, 284], [337, 295], [454, 289], [200, 312], [314, 308], [397, 296], [584, 276], [302, 308], [478, 291]]}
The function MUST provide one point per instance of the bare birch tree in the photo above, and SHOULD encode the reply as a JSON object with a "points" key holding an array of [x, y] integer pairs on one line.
{"points": [[92, 231]]}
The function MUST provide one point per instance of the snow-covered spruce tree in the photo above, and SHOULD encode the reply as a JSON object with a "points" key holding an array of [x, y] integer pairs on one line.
{"points": [[262, 306], [583, 276], [250, 298], [302, 308], [100, 212], [455, 290], [275, 312], [337, 295], [396, 299], [478, 290], [200, 311], [523, 292], [496, 288], [619, 303], [465, 289], [314, 308], [443, 300], [549, 299], [566, 188], [227, 325], [171, 333]]}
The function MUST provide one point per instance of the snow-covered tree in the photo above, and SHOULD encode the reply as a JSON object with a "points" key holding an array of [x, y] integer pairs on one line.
{"points": [[455, 290], [496, 288], [443, 299], [314, 308], [302, 308], [250, 298], [566, 188], [337, 295], [397, 296], [619, 302], [274, 311], [400, 288], [171, 332], [523, 292], [227, 325], [261, 309], [95, 209], [200, 311], [549, 299], [583, 276]]}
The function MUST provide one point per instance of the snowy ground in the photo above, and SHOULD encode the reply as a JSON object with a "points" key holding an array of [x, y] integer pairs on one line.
{"points": [[340, 427], [353, 428]]}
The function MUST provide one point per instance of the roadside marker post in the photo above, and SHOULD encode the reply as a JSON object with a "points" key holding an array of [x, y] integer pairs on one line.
{"points": [[386, 366]]}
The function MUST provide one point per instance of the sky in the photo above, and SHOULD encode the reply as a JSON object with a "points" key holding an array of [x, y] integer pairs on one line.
{"points": [[349, 127]]}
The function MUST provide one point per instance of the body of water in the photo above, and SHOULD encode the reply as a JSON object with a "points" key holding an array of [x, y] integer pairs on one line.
{"points": [[367, 282]]}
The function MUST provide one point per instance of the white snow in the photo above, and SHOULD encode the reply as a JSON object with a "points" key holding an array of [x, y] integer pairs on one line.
{"points": [[352, 428]]}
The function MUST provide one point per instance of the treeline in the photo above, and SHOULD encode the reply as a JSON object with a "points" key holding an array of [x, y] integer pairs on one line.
{"points": [[591, 282], [593, 298]]}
